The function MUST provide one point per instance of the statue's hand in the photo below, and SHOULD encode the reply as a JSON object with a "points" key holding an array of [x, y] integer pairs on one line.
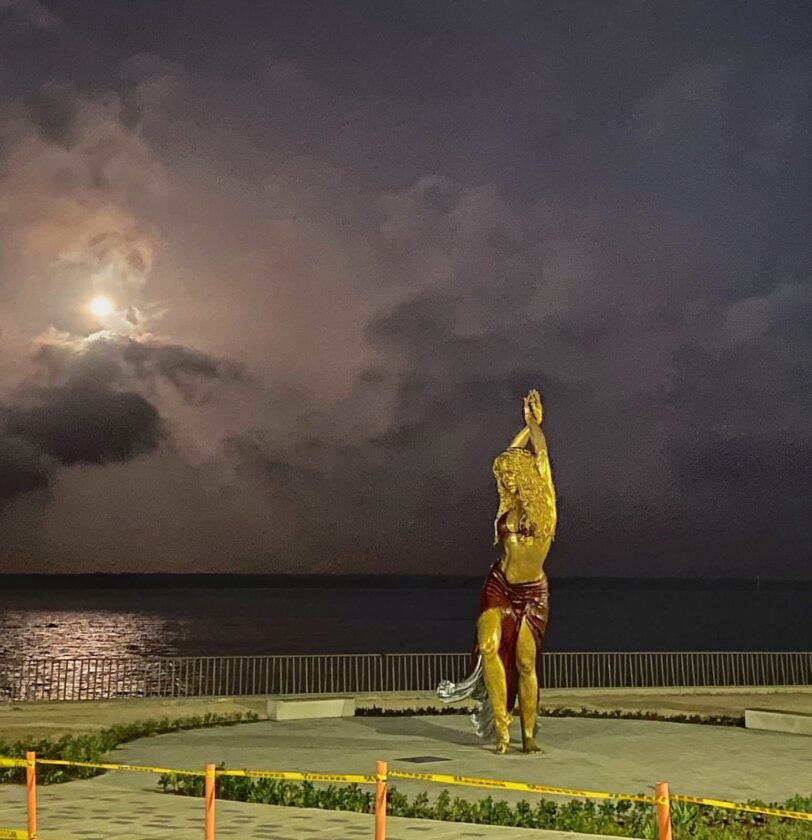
{"points": [[532, 408]]}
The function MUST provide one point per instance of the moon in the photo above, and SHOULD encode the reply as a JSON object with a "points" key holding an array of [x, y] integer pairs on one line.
{"points": [[101, 306]]}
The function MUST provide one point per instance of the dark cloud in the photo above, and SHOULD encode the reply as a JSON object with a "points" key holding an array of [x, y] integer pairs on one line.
{"points": [[185, 368], [735, 467], [117, 359], [77, 408], [51, 110], [77, 425], [23, 15], [21, 469]]}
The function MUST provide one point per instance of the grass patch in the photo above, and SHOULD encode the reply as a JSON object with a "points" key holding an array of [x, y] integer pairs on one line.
{"points": [[614, 819], [95, 746]]}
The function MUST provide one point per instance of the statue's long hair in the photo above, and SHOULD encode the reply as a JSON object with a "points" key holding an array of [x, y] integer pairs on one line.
{"points": [[535, 494]]}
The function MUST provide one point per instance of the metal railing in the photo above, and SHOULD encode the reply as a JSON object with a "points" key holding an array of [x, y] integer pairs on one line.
{"points": [[216, 676]]}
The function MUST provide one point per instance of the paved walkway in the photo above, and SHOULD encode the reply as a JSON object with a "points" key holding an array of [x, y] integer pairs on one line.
{"points": [[618, 756], [88, 810]]}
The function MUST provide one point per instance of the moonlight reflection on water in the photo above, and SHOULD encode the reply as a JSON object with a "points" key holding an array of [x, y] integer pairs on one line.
{"points": [[35, 634]]}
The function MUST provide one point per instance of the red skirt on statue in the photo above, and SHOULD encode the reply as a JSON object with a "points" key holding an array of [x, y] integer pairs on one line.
{"points": [[516, 601]]}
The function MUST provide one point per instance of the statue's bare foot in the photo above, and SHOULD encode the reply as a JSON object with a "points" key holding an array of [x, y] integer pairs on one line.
{"points": [[529, 745], [502, 738], [502, 729]]}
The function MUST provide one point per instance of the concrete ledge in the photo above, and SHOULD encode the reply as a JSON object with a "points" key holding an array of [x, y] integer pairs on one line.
{"points": [[795, 723], [301, 709]]}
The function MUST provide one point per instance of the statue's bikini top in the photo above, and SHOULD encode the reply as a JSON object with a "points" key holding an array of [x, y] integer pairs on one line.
{"points": [[504, 530]]}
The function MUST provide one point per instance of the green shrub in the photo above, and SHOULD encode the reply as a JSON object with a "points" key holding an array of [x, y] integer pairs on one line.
{"points": [[615, 819], [562, 711], [95, 746]]}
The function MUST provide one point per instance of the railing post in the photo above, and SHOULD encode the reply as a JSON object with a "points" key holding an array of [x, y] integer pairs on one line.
{"points": [[209, 797], [31, 793], [663, 811], [381, 771]]}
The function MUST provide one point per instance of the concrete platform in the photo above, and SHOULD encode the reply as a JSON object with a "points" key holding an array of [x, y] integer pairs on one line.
{"points": [[606, 755], [309, 708], [771, 720]]}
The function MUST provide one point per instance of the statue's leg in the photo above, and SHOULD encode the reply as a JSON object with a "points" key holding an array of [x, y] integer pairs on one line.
{"points": [[526, 652], [489, 635]]}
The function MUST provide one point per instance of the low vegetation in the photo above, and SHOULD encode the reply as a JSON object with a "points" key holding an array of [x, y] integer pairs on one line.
{"points": [[561, 711], [614, 819], [96, 746]]}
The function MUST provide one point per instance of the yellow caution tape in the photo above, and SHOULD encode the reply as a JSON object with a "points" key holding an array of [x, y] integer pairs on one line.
{"points": [[58, 762], [750, 809], [497, 784], [13, 834], [300, 777], [464, 781]]}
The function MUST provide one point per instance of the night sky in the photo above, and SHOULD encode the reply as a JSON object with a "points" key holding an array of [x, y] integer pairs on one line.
{"points": [[342, 240]]}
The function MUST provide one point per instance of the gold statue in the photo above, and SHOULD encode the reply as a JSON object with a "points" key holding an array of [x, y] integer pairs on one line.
{"points": [[515, 599]]}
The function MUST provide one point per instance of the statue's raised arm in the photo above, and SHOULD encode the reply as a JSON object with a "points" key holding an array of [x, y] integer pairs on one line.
{"points": [[545, 489], [532, 417]]}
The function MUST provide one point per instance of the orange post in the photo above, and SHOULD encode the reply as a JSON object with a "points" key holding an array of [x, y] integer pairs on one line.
{"points": [[381, 771], [209, 788], [31, 793], [663, 811]]}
